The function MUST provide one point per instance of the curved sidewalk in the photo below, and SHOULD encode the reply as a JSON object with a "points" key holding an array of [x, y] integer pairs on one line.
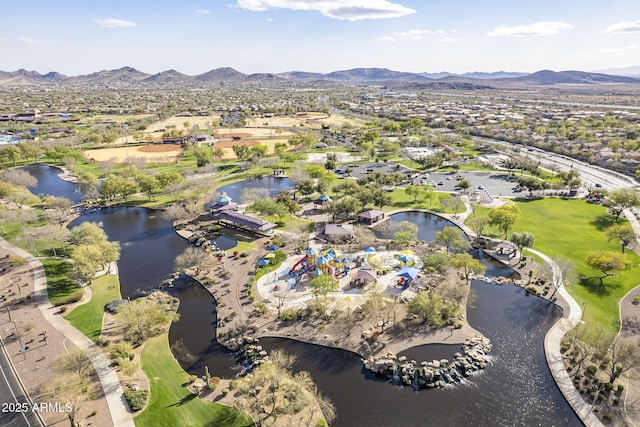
{"points": [[114, 394], [552, 343]]}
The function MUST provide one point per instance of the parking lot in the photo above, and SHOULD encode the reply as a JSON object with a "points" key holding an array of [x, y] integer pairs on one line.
{"points": [[495, 183], [361, 169]]}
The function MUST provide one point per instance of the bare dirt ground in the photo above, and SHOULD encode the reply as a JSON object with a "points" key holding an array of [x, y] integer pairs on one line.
{"points": [[25, 327], [156, 153]]}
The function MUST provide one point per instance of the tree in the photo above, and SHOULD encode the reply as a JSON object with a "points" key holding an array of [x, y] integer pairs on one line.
{"points": [[268, 207], [478, 225], [166, 178], [464, 184], [607, 262], [323, 284], [452, 202], [88, 184], [345, 206], [88, 233], [413, 191], [624, 233], [379, 197], [242, 152], [144, 318], [74, 361], [273, 390], [19, 178], [622, 356], [432, 309], [72, 390], [622, 199], [522, 240], [250, 195], [504, 217], [407, 233], [203, 156], [437, 261], [147, 184], [467, 264], [196, 259], [116, 185], [452, 238]]}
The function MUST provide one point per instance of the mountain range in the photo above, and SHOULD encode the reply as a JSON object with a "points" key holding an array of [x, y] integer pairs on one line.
{"points": [[225, 75]]}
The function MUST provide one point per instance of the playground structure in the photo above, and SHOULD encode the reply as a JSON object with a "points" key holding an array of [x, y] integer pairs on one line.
{"points": [[391, 272]]}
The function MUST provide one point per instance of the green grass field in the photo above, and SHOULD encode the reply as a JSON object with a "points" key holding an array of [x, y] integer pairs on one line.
{"points": [[87, 318], [572, 229], [171, 404], [60, 286]]}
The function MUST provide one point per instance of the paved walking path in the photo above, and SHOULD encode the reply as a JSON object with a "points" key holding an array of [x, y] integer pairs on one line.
{"points": [[114, 394], [553, 341]]}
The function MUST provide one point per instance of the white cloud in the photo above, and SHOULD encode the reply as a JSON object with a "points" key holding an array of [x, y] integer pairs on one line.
{"points": [[115, 23], [447, 40], [624, 27], [203, 11], [534, 30], [351, 10], [623, 49], [411, 35]]}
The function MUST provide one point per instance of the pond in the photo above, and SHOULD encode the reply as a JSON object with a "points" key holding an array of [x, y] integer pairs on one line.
{"points": [[428, 225], [274, 185], [49, 184]]}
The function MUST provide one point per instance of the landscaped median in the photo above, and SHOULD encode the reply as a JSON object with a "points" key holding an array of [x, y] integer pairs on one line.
{"points": [[170, 402]]}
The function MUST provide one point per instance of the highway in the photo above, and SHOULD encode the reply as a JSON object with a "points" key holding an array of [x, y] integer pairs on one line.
{"points": [[589, 174], [15, 408]]}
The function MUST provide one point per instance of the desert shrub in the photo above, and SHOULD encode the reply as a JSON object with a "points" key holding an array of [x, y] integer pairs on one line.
{"points": [[136, 399], [608, 386], [192, 378], [592, 369], [114, 306], [620, 388]]}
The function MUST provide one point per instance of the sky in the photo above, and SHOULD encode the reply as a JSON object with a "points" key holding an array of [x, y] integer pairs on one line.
{"points": [[273, 36]]}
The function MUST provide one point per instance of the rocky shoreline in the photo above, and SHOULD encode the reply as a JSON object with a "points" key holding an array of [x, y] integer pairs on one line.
{"points": [[435, 373]]}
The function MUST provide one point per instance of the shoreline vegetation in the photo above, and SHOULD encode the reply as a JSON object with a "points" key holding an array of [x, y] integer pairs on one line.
{"points": [[377, 335]]}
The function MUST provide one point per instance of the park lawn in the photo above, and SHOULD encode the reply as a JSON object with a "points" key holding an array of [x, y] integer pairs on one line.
{"points": [[170, 403], [400, 200], [572, 229], [60, 287], [87, 318]]}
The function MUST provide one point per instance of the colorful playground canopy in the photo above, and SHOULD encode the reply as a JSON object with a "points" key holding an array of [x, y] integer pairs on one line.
{"points": [[263, 262], [404, 258], [408, 252], [366, 275], [325, 259], [273, 248], [317, 272], [311, 251], [409, 273], [369, 249], [270, 255]]}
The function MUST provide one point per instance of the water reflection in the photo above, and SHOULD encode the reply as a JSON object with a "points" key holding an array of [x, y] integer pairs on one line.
{"points": [[49, 184], [274, 185]]}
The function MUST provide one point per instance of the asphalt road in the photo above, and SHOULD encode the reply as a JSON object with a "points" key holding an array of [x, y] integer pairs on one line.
{"points": [[13, 411]]}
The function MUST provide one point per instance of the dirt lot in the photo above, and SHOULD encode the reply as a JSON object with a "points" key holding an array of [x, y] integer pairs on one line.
{"points": [[157, 153]]}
